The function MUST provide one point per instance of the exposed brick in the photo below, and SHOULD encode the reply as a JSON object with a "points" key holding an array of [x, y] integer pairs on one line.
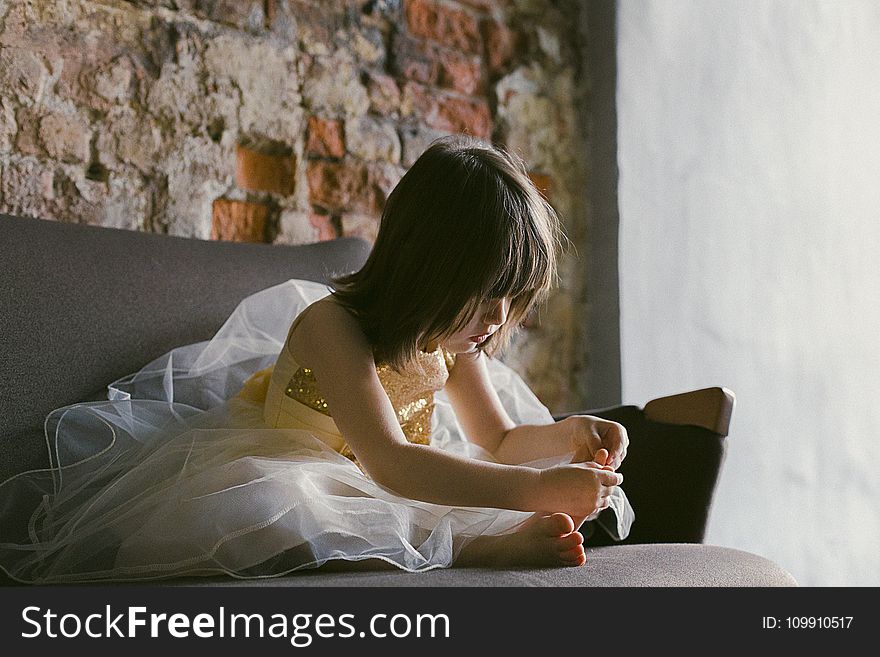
{"points": [[326, 138], [128, 137], [23, 75], [501, 45], [371, 139], [384, 93], [446, 112], [338, 185], [543, 182], [464, 115], [429, 19], [238, 221], [315, 23], [262, 172], [113, 82], [65, 138], [414, 60], [460, 72], [26, 140], [419, 101], [356, 188], [333, 86], [298, 227]]}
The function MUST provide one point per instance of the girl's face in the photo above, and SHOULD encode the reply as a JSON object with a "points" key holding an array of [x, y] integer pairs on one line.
{"points": [[490, 315]]}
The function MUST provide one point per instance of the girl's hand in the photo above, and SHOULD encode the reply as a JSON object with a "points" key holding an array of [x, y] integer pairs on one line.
{"points": [[579, 489], [588, 434]]}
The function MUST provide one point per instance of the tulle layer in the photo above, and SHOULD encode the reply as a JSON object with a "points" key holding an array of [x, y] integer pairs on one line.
{"points": [[177, 474]]}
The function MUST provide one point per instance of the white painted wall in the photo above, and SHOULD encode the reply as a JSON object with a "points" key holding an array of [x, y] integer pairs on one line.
{"points": [[749, 154]]}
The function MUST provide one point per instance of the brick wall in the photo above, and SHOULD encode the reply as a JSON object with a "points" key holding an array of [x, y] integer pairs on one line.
{"points": [[289, 121]]}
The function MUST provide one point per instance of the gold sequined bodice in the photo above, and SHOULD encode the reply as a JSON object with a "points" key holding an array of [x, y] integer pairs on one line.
{"points": [[293, 397], [411, 393]]}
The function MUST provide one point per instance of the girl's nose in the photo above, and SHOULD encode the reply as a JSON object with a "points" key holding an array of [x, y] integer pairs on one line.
{"points": [[497, 311]]}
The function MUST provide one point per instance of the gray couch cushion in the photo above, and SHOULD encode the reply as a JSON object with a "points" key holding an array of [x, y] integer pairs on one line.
{"points": [[672, 564], [81, 306]]}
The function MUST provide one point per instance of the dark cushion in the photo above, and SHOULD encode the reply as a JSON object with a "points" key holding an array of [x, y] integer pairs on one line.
{"points": [[669, 475], [81, 306]]}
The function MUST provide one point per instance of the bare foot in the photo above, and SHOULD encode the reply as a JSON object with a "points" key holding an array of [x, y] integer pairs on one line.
{"points": [[542, 540]]}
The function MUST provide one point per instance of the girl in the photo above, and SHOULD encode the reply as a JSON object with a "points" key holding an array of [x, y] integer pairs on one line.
{"points": [[379, 435]]}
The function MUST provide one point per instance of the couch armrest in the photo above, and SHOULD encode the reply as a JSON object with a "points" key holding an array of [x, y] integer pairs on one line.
{"points": [[677, 446]]}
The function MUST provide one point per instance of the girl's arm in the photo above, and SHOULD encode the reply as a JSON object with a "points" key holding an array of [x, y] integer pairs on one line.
{"points": [[486, 423], [342, 362]]}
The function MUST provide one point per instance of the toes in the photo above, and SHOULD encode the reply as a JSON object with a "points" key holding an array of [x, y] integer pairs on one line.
{"points": [[570, 541], [576, 555], [558, 524]]}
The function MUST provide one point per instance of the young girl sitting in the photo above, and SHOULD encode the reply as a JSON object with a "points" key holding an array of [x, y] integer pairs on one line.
{"points": [[380, 436]]}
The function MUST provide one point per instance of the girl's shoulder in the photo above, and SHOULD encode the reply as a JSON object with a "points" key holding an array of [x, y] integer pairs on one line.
{"points": [[326, 325]]}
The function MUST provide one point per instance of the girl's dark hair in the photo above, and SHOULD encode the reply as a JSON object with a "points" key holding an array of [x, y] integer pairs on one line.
{"points": [[464, 224]]}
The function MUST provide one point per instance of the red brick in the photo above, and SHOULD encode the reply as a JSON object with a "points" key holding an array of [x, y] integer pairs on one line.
{"points": [[337, 185], [460, 72], [262, 172], [501, 46], [447, 112], [423, 18], [326, 138], [465, 115], [238, 221], [543, 182], [429, 19]]}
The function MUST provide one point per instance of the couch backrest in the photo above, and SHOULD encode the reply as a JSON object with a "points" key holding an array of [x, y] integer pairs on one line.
{"points": [[81, 306]]}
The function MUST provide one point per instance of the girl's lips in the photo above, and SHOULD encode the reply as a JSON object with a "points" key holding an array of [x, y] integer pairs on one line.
{"points": [[479, 338]]}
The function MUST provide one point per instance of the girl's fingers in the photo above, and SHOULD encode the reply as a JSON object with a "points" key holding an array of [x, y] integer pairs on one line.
{"points": [[609, 478]]}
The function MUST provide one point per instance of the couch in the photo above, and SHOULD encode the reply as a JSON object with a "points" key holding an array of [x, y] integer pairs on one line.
{"points": [[62, 281]]}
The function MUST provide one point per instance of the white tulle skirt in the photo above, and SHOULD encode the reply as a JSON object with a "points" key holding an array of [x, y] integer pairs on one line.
{"points": [[175, 474]]}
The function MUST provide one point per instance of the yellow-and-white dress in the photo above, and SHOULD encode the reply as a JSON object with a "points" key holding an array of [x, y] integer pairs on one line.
{"points": [[222, 457]]}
